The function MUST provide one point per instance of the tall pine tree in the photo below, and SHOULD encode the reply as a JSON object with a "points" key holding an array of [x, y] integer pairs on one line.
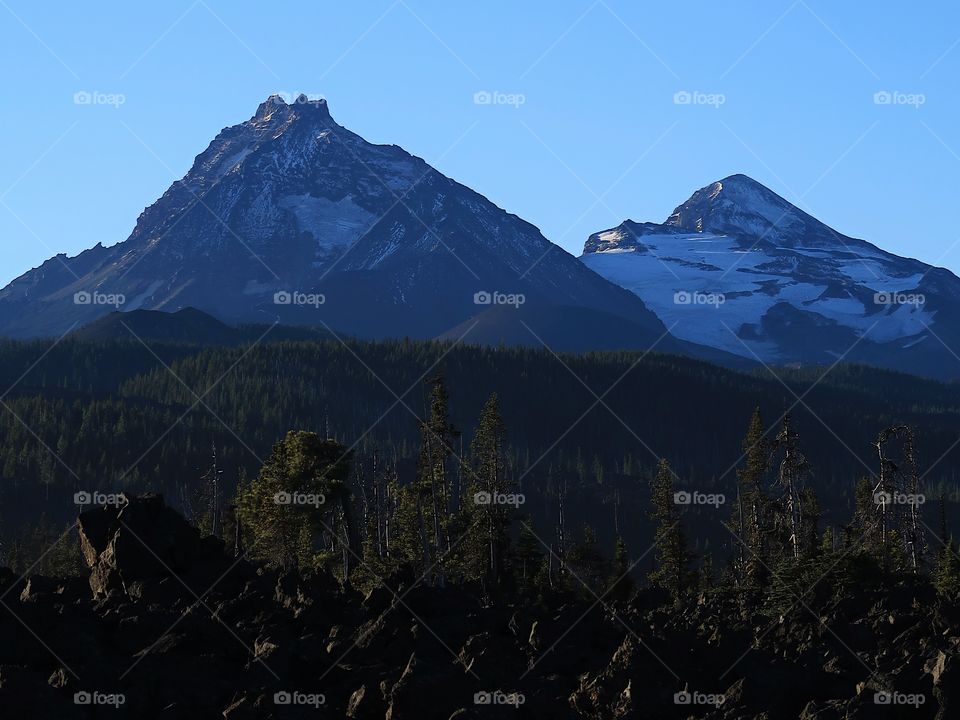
{"points": [[488, 515], [751, 518], [672, 556]]}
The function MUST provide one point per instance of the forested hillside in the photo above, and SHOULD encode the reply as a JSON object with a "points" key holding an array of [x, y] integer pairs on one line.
{"points": [[125, 415]]}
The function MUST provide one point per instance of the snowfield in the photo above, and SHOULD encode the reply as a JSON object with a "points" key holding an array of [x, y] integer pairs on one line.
{"points": [[717, 288]]}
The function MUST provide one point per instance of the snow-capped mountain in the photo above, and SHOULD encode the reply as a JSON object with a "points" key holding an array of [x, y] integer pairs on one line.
{"points": [[290, 216], [739, 268]]}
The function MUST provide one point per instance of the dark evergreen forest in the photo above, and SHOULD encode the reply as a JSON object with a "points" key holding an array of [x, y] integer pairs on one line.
{"points": [[584, 431]]}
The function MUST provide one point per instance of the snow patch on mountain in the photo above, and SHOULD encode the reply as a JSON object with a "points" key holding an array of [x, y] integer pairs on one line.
{"points": [[726, 264], [333, 223], [137, 302]]}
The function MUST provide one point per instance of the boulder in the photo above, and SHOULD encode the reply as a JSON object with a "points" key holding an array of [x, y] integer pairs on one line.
{"points": [[144, 541]]}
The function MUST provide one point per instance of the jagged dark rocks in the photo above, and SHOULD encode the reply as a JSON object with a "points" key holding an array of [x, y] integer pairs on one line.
{"points": [[141, 541], [156, 627]]}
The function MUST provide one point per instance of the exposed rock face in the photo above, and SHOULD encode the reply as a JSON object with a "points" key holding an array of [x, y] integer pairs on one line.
{"points": [[140, 541], [265, 644]]}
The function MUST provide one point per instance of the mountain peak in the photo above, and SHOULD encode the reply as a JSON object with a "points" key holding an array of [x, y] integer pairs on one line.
{"points": [[304, 221], [301, 105], [736, 203], [739, 179], [739, 183]]}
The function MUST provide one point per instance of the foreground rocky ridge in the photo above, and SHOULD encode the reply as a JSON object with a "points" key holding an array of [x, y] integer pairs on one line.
{"points": [[170, 625]]}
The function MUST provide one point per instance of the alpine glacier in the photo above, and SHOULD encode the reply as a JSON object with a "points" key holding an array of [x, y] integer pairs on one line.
{"points": [[738, 268]]}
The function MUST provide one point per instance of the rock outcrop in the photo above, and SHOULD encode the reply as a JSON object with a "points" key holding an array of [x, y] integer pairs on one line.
{"points": [[171, 626]]}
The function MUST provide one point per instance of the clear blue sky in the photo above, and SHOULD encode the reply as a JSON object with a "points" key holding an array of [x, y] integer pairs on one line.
{"points": [[598, 119]]}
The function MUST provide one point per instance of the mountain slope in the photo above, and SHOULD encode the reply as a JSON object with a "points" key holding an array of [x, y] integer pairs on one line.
{"points": [[188, 326], [739, 268], [289, 216]]}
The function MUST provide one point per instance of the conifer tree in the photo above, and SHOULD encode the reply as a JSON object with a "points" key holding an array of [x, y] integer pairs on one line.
{"points": [[621, 584], [47, 549], [752, 513], [672, 557], [375, 566], [810, 536], [705, 578], [790, 514], [528, 556], [864, 527], [862, 547], [587, 563], [282, 509], [407, 532], [946, 576], [433, 493], [488, 512]]}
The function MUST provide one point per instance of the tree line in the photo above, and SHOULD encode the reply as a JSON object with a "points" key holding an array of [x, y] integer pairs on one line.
{"points": [[109, 416], [461, 521]]}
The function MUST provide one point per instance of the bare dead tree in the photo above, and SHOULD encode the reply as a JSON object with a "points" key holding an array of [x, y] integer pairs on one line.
{"points": [[237, 536], [212, 479], [897, 494], [561, 545], [793, 469]]}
